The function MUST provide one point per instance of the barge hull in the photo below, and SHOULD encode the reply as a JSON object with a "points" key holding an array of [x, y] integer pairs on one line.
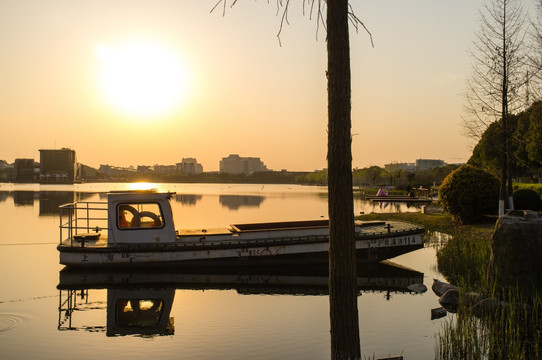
{"points": [[315, 252]]}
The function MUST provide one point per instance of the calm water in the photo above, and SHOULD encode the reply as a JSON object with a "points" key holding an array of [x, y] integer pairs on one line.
{"points": [[199, 315]]}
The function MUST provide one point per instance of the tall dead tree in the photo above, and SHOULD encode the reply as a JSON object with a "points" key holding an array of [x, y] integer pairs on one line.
{"points": [[495, 87], [344, 323]]}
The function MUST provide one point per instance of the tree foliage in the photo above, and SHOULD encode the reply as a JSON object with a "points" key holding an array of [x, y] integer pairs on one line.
{"points": [[534, 135], [524, 145], [468, 193], [527, 199]]}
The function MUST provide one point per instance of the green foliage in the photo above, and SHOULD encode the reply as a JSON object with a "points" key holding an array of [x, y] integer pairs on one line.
{"points": [[534, 136], [317, 178], [524, 146], [535, 187], [372, 175], [468, 193], [527, 199], [487, 153]]}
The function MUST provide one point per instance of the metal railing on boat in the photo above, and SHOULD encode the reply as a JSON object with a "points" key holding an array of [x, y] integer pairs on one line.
{"points": [[82, 217]]}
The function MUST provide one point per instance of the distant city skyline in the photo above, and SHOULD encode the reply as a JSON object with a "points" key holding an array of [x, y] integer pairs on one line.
{"points": [[234, 163], [78, 75]]}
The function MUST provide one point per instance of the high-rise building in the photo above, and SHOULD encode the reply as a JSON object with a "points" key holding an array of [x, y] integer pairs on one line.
{"points": [[189, 166], [58, 166], [235, 164], [24, 170], [426, 164]]}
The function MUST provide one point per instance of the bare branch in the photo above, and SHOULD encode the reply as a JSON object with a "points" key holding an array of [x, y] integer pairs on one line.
{"points": [[224, 3], [317, 8], [499, 55]]}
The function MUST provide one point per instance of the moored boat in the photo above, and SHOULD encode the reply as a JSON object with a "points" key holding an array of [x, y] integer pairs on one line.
{"points": [[135, 228]]}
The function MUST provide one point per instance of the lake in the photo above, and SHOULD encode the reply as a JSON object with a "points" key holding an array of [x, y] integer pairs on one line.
{"points": [[44, 314]]}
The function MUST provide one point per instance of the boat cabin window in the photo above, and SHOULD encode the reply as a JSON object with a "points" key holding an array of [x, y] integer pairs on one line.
{"points": [[139, 215]]}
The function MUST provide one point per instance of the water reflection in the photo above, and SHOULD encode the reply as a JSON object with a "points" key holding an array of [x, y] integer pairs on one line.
{"points": [[130, 311], [234, 202], [49, 201], [187, 199], [140, 302], [23, 198]]}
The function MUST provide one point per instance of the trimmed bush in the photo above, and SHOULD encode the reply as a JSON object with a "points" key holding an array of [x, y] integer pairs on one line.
{"points": [[527, 199], [468, 192]]}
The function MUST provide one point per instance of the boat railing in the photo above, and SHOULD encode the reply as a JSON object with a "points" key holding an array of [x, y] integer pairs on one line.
{"points": [[82, 217]]}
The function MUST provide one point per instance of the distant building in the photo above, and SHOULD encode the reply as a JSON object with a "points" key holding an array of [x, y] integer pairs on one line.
{"points": [[234, 164], [115, 171], [143, 169], [164, 169], [58, 166], [419, 165], [400, 166], [426, 164], [88, 173], [24, 171], [189, 166]]}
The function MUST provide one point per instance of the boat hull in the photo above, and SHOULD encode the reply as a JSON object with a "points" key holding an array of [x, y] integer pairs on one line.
{"points": [[267, 251]]}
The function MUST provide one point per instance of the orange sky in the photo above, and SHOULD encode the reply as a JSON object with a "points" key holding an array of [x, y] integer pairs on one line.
{"points": [[241, 92]]}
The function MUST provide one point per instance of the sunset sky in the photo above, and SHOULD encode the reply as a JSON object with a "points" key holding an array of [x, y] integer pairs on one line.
{"points": [[71, 73]]}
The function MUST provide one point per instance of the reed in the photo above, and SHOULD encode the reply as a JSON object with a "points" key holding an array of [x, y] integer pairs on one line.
{"points": [[508, 328], [464, 260]]}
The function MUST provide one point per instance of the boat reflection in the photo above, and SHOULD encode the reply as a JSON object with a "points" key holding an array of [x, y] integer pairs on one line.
{"points": [[130, 311], [140, 302]]}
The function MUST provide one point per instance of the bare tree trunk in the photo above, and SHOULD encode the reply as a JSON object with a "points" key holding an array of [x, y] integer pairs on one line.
{"points": [[504, 117], [345, 342], [504, 170]]}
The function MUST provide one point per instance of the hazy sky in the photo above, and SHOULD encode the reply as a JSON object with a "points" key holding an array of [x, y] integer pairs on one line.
{"points": [[71, 73]]}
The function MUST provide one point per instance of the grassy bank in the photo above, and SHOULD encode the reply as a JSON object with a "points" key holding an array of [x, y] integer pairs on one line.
{"points": [[441, 222], [465, 256], [510, 330]]}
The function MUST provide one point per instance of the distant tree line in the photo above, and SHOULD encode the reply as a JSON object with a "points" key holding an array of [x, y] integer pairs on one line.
{"points": [[375, 176], [400, 178], [369, 176], [260, 177]]}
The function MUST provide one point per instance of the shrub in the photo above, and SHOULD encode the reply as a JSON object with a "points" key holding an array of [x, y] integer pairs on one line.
{"points": [[468, 192], [527, 199]]}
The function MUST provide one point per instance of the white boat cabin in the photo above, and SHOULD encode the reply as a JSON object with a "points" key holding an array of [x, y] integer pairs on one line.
{"points": [[140, 217]]}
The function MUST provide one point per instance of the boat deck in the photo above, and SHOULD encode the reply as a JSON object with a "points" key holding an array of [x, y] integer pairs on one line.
{"points": [[202, 232], [218, 236], [393, 198]]}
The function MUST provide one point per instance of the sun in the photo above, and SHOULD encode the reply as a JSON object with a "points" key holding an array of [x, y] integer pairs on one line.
{"points": [[141, 78]]}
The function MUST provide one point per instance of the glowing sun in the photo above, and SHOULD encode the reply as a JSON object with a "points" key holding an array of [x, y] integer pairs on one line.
{"points": [[141, 78]]}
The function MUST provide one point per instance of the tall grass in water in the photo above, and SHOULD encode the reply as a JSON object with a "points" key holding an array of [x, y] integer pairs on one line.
{"points": [[508, 328], [464, 261]]}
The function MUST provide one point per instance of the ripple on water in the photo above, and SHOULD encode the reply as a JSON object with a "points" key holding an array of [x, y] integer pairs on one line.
{"points": [[8, 322]]}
